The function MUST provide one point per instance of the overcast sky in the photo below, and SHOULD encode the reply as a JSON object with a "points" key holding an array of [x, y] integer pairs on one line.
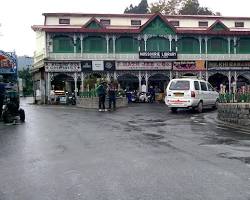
{"points": [[17, 16]]}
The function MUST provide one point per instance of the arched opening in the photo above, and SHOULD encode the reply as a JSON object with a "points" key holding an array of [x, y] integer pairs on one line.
{"points": [[94, 44], [128, 82], [127, 45], [243, 81], [159, 82], [63, 44], [190, 75], [188, 45], [63, 82], [217, 45], [158, 44], [217, 79]]}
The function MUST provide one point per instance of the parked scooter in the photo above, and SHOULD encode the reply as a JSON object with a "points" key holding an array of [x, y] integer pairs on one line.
{"points": [[71, 99]]}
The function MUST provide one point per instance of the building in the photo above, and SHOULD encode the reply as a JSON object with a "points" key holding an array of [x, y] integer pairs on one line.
{"points": [[24, 62], [139, 49]]}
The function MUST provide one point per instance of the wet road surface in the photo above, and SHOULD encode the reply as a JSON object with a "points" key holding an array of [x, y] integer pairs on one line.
{"points": [[142, 152]]}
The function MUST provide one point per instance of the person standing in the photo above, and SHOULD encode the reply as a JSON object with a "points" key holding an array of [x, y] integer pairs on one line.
{"points": [[2, 93], [112, 90], [101, 92]]}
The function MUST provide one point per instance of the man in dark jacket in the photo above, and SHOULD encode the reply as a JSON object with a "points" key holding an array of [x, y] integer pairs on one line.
{"points": [[2, 92], [101, 92], [112, 90]]}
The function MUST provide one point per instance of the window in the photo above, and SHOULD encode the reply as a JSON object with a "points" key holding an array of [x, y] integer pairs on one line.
{"points": [[105, 22], [239, 24], [64, 21], [196, 85], [180, 85], [203, 86], [203, 24], [175, 23], [135, 22]]}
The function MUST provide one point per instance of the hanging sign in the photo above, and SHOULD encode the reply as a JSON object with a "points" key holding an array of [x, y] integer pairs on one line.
{"points": [[62, 67], [158, 55], [8, 63], [86, 66], [126, 65], [198, 65], [109, 65], [98, 65], [228, 65]]}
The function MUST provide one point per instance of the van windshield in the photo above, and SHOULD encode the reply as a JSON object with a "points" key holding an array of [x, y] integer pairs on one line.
{"points": [[180, 85]]}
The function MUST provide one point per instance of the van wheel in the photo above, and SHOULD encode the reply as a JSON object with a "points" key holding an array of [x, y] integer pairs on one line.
{"points": [[200, 107], [215, 106], [174, 110]]}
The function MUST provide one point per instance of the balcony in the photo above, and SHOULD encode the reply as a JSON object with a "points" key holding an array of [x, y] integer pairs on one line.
{"points": [[129, 57]]}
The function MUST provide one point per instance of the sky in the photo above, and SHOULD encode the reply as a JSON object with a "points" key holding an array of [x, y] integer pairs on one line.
{"points": [[17, 16]]}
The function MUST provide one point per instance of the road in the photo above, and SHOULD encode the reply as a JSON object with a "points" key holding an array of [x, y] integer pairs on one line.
{"points": [[143, 152]]}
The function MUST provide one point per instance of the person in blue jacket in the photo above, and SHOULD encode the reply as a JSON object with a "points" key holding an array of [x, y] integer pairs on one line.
{"points": [[101, 92]]}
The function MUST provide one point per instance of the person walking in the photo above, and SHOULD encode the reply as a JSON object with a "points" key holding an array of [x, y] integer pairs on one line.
{"points": [[101, 92], [112, 90], [2, 93]]}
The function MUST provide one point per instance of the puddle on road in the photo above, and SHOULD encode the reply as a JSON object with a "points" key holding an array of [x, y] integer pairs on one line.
{"points": [[245, 160], [153, 136]]}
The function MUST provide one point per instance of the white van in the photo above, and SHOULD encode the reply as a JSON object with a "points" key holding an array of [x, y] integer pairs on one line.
{"points": [[192, 93]]}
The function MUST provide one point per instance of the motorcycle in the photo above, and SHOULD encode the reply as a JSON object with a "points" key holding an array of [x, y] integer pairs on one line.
{"points": [[71, 99]]}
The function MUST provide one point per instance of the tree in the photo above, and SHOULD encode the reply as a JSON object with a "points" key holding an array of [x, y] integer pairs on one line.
{"points": [[26, 76], [142, 8], [166, 7], [192, 7]]}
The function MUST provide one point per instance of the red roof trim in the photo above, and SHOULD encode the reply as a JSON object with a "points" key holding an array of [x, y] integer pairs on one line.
{"points": [[218, 22], [146, 16], [93, 19]]}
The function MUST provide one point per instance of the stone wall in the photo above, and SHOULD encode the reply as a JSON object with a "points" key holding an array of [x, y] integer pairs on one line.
{"points": [[235, 113], [93, 102]]}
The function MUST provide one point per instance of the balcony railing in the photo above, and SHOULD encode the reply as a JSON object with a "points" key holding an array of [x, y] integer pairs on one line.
{"points": [[124, 57]]}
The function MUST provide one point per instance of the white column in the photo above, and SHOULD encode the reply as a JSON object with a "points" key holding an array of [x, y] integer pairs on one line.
{"points": [[74, 38], [229, 44], [170, 75], [114, 39], [145, 42], [108, 76], [229, 81], [146, 79], [75, 79], [48, 86], [170, 42], [206, 39], [200, 42], [107, 40], [235, 45], [81, 39], [115, 75], [235, 79], [140, 79], [82, 81], [176, 74], [176, 40], [200, 75], [139, 42], [206, 76]]}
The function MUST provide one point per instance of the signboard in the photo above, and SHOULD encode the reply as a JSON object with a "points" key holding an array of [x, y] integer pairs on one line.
{"points": [[228, 65], [86, 66], [62, 67], [97, 65], [198, 65], [8, 63], [109, 65], [126, 65], [158, 55]]}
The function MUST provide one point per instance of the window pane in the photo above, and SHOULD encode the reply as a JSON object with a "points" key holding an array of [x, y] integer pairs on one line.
{"points": [[203, 86], [180, 85], [196, 85]]}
